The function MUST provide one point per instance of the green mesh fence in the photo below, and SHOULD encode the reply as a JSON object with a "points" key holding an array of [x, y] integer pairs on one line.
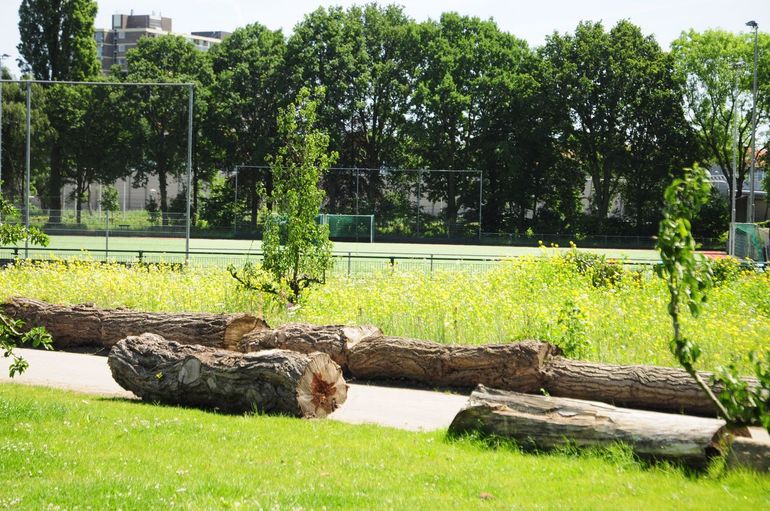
{"points": [[349, 227], [749, 243]]}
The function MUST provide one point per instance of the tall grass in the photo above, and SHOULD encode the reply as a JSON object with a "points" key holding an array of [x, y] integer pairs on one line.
{"points": [[547, 298]]}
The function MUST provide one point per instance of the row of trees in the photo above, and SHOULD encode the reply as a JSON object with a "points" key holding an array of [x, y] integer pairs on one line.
{"points": [[607, 107]]}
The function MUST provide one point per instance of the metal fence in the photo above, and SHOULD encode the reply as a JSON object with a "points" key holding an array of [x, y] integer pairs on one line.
{"points": [[344, 263]]}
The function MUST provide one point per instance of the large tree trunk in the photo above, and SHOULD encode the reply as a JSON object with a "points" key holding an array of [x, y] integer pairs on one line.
{"points": [[545, 423], [527, 366], [85, 324], [334, 340], [271, 381]]}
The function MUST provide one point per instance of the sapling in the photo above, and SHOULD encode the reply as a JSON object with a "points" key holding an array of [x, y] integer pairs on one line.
{"points": [[11, 334], [689, 276]]}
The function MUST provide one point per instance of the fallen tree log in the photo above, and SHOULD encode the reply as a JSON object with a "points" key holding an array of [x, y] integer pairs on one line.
{"points": [[749, 453], [526, 366], [545, 423], [270, 381], [334, 340], [80, 325], [634, 386], [516, 365]]}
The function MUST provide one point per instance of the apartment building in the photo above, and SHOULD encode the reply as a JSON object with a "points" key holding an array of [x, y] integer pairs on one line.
{"points": [[112, 44]]}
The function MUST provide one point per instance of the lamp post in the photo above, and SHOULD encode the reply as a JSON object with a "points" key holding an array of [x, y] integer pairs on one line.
{"points": [[750, 208], [731, 249]]}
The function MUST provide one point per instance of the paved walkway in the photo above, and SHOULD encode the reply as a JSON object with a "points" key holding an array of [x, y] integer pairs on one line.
{"points": [[387, 406]]}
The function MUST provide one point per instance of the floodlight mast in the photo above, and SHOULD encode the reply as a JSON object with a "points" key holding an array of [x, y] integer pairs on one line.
{"points": [[750, 207], [731, 247], [2, 58]]}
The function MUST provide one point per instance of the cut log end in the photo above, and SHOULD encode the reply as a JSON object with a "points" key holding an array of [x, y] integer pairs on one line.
{"points": [[321, 388]]}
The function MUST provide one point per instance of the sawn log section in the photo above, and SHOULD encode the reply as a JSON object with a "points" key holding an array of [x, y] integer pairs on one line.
{"points": [[527, 366], [80, 325], [271, 381]]}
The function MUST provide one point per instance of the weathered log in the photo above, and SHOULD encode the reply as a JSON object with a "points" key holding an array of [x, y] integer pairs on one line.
{"points": [[633, 386], [85, 324], [514, 366], [749, 453], [526, 366], [544, 423], [334, 340], [270, 381]]}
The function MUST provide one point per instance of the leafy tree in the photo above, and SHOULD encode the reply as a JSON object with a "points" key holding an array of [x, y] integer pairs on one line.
{"points": [[14, 137], [246, 94], [705, 61], [161, 111], [78, 114], [57, 43], [109, 201], [623, 125], [11, 334], [297, 250], [363, 57]]}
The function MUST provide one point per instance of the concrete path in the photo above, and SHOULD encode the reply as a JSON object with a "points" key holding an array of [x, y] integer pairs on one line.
{"points": [[408, 409]]}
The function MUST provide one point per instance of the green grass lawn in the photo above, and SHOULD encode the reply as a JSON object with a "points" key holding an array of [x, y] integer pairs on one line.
{"points": [[61, 450]]}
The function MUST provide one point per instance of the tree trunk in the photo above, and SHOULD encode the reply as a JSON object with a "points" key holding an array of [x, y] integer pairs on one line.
{"points": [[513, 366], [545, 423], [271, 381], [85, 324], [162, 185], [334, 340], [55, 185], [527, 366], [749, 453], [646, 387]]}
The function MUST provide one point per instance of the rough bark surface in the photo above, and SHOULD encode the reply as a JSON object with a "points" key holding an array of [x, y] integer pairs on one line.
{"points": [[334, 340], [647, 387], [517, 365], [749, 453], [545, 423], [526, 366], [80, 325], [271, 381]]}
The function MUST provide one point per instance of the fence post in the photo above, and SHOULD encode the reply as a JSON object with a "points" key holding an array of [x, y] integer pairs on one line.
{"points": [[349, 257], [431, 264], [107, 237]]}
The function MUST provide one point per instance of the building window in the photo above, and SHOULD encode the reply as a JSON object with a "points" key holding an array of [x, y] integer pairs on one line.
{"points": [[121, 34], [121, 48]]}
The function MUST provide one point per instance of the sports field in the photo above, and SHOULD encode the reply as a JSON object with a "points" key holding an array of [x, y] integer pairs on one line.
{"points": [[350, 258], [225, 246]]}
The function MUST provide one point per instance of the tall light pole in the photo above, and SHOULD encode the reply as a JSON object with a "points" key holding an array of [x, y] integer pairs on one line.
{"points": [[2, 57], [750, 206], [731, 249]]}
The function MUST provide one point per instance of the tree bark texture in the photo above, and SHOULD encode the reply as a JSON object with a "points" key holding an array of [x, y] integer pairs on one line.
{"points": [[79, 325], [270, 381], [526, 366], [334, 340], [545, 423], [749, 453]]}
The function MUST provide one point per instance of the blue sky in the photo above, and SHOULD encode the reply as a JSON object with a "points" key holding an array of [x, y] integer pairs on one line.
{"points": [[530, 20]]}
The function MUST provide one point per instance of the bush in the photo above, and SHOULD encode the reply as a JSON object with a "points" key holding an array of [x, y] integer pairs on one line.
{"points": [[603, 273]]}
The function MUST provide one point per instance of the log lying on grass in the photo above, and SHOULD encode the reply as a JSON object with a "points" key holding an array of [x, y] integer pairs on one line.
{"points": [[271, 381], [334, 340], [365, 353], [80, 325], [545, 423], [526, 366]]}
